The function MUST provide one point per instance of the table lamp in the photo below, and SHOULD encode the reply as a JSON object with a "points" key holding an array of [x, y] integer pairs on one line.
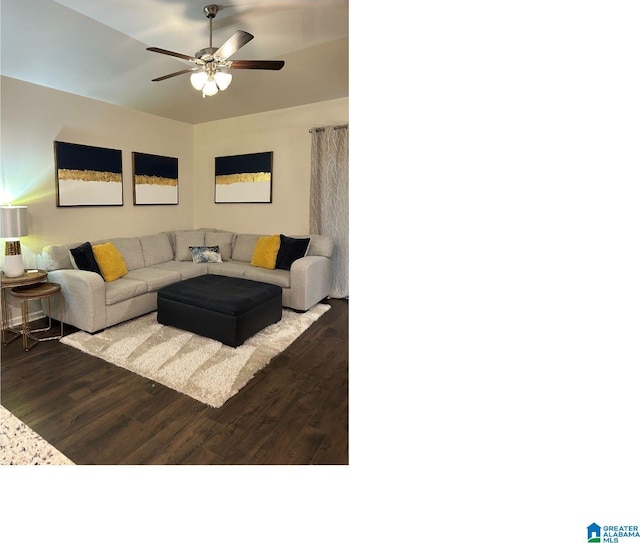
{"points": [[13, 225]]}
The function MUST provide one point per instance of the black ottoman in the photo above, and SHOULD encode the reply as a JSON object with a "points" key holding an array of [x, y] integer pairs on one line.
{"points": [[227, 309]]}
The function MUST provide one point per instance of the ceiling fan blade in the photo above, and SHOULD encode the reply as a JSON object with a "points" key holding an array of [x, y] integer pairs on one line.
{"points": [[172, 54], [257, 64], [162, 78], [234, 43]]}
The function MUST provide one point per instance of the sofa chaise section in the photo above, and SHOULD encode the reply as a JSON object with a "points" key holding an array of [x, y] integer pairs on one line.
{"points": [[308, 281]]}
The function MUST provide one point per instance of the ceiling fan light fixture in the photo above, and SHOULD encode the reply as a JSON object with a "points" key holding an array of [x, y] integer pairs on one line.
{"points": [[198, 79], [222, 78]]}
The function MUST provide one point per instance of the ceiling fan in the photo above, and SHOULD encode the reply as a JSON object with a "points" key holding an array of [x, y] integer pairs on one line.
{"points": [[211, 70]]}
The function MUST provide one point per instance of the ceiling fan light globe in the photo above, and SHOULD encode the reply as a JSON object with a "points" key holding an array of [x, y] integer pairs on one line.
{"points": [[210, 88], [222, 79], [198, 79]]}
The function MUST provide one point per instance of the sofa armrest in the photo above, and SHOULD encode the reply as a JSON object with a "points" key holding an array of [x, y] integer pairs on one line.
{"points": [[84, 297], [311, 278]]}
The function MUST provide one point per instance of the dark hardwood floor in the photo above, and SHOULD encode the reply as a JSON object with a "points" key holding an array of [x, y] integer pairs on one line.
{"points": [[294, 411]]}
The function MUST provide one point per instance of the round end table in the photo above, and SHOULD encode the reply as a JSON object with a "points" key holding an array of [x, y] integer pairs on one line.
{"points": [[34, 292], [29, 277]]}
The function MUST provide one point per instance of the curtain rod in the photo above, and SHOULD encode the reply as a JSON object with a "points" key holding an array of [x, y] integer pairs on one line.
{"points": [[322, 128]]}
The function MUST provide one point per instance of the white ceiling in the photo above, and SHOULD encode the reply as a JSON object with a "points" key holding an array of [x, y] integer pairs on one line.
{"points": [[98, 49]]}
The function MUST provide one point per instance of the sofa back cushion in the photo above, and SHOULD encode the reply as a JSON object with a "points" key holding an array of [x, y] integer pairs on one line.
{"points": [[56, 257], [319, 246], [184, 239], [224, 241], [156, 249], [130, 250], [244, 247]]}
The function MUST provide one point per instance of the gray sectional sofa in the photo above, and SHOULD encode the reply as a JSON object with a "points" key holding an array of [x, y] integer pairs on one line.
{"points": [[157, 260]]}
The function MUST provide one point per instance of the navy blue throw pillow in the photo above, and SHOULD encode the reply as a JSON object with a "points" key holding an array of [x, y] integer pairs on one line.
{"points": [[291, 249], [84, 258]]}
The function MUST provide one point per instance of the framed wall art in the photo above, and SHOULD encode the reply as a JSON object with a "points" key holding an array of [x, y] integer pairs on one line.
{"points": [[155, 179], [243, 178], [87, 176]]}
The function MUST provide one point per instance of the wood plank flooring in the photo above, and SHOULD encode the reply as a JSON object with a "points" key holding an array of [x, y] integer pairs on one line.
{"points": [[294, 411]]}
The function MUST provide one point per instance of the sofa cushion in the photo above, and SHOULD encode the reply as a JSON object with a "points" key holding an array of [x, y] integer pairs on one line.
{"points": [[185, 269], [282, 278], [82, 258], [244, 246], [224, 241], [110, 261], [156, 249], [184, 240], [230, 269], [123, 289], [155, 278], [266, 252], [291, 249]]}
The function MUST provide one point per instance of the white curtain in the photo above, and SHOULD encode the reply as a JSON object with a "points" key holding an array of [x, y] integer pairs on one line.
{"points": [[329, 206]]}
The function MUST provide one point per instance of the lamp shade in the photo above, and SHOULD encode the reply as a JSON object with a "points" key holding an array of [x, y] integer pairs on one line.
{"points": [[13, 222]]}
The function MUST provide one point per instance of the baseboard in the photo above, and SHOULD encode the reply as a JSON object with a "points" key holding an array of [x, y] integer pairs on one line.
{"points": [[16, 321]]}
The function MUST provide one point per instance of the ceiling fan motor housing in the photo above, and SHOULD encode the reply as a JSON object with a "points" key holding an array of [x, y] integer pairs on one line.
{"points": [[206, 54]]}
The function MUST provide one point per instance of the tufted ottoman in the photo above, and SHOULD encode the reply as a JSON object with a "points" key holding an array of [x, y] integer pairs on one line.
{"points": [[227, 309]]}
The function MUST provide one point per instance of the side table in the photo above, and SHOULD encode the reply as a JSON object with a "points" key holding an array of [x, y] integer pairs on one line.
{"points": [[29, 277], [38, 291]]}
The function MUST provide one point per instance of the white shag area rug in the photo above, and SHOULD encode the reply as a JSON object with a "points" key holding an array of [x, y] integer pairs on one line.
{"points": [[20, 445], [202, 368]]}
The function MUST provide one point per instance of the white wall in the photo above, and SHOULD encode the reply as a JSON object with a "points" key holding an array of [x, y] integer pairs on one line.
{"points": [[33, 117], [286, 133]]}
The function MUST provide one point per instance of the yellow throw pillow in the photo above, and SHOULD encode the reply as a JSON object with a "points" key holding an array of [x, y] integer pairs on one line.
{"points": [[109, 261], [266, 252]]}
